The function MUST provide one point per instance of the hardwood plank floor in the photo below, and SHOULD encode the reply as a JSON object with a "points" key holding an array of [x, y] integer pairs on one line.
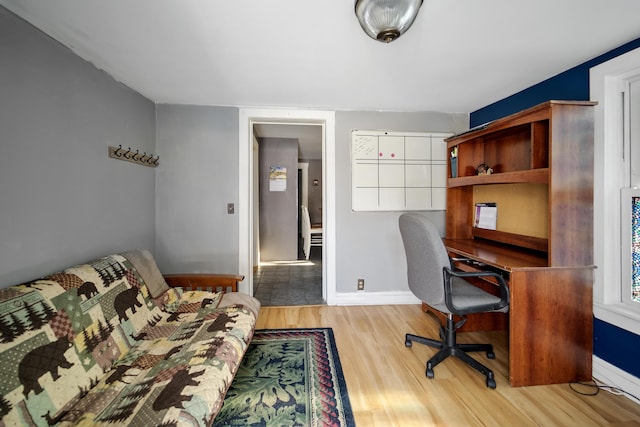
{"points": [[388, 387]]}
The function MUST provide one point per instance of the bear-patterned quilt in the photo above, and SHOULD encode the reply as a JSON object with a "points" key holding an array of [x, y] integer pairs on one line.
{"points": [[90, 346]]}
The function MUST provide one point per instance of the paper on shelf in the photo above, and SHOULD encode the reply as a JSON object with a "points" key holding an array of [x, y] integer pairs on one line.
{"points": [[486, 216]]}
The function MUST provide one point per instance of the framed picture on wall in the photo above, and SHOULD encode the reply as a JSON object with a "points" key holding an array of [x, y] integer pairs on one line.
{"points": [[277, 178]]}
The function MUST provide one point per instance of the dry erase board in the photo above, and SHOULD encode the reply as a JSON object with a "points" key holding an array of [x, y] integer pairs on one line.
{"points": [[398, 171]]}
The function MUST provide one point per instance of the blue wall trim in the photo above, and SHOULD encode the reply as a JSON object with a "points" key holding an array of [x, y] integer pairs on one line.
{"points": [[572, 85], [617, 346]]}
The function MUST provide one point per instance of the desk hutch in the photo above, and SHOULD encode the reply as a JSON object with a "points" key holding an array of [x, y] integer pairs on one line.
{"points": [[542, 184]]}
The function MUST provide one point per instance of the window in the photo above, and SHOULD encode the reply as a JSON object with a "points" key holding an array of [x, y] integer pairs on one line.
{"points": [[634, 291], [630, 197], [615, 84], [630, 238]]}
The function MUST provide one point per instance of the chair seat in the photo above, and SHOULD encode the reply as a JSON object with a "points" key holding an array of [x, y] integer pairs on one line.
{"points": [[466, 296]]}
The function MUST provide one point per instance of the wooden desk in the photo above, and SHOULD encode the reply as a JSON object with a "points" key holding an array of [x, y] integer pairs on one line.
{"points": [[542, 183], [550, 314]]}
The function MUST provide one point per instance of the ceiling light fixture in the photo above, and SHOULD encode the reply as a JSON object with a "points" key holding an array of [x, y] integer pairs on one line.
{"points": [[386, 20]]}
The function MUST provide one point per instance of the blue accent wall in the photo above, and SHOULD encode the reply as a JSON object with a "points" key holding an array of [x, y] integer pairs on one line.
{"points": [[616, 346], [572, 85]]}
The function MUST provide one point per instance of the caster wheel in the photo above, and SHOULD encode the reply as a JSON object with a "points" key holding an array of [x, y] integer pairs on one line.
{"points": [[430, 373], [491, 355], [408, 343], [491, 382]]}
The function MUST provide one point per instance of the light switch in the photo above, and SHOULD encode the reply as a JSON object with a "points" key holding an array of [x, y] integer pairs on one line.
{"points": [[231, 209]]}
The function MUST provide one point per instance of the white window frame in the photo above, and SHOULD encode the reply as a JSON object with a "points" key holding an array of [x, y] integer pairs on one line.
{"points": [[631, 125], [608, 83]]}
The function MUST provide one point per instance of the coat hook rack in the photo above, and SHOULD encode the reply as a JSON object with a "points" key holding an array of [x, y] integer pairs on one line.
{"points": [[133, 156]]}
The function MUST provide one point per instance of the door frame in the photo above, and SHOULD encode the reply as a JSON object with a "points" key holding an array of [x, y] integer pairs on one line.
{"points": [[247, 118]]}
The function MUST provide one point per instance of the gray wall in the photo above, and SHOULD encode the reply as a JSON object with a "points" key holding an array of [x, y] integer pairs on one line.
{"points": [[368, 244], [62, 199], [278, 209], [197, 177]]}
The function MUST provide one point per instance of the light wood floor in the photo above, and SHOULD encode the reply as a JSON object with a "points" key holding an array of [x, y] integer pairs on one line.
{"points": [[387, 384]]}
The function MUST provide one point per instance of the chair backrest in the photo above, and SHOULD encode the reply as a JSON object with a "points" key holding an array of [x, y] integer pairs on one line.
{"points": [[306, 222], [426, 257]]}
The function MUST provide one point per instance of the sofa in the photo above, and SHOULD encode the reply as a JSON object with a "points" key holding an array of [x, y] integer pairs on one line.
{"points": [[113, 342]]}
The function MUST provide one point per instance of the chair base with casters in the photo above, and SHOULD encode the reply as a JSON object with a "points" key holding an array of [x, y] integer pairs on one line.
{"points": [[450, 347]]}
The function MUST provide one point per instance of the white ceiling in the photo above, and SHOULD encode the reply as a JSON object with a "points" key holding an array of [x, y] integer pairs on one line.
{"points": [[460, 55]]}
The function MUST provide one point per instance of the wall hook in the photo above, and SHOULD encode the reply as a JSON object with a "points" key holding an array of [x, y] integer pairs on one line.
{"points": [[133, 157]]}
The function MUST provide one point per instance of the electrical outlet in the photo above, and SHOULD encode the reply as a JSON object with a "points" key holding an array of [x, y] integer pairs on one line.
{"points": [[361, 284]]}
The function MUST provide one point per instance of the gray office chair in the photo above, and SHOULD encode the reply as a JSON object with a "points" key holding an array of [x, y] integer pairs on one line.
{"points": [[433, 280]]}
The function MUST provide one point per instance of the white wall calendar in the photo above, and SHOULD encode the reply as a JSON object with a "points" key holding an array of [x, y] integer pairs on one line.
{"points": [[398, 171]]}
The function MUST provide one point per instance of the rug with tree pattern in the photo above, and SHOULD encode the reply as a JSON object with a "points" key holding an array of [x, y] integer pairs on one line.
{"points": [[289, 377]]}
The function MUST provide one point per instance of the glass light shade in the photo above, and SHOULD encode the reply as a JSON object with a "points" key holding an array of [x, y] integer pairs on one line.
{"points": [[386, 20]]}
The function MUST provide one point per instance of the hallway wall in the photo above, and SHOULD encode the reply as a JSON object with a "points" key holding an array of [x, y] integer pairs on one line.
{"points": [[278, 209]]}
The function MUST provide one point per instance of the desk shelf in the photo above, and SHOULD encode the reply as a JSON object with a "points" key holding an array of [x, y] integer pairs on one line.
{"points": [[551, 145], [533, 175]]}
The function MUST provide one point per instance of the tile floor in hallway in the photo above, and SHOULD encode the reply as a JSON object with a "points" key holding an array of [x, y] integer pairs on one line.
{"points": [[283, 283]]}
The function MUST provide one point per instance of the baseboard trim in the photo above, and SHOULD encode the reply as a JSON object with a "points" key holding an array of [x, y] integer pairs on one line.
{"points": [[375, 298], [611, 375]]}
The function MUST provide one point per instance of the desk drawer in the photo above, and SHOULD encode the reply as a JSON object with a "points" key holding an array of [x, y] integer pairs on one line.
{"points": [[474, 266]]}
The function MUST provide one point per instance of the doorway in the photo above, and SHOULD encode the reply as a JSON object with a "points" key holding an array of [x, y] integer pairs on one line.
{"points": [[247, 235], [289, 273]]}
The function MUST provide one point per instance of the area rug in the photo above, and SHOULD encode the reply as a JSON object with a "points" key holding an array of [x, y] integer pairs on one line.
{"points": [[288, 377]]}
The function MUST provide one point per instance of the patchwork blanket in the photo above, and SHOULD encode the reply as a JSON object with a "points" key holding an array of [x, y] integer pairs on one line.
{"points": [[91, 346]]}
